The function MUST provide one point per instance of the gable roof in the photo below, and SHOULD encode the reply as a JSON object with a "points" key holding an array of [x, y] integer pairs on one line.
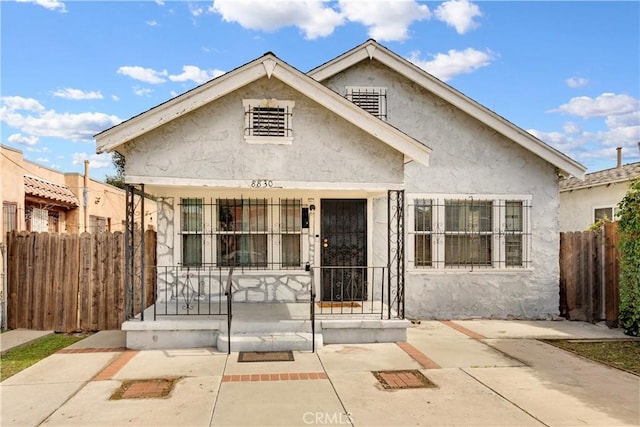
{"points": [[624, 173], [373, 50], [268, 66]]}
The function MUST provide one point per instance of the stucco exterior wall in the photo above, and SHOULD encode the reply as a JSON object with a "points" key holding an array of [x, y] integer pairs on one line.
{"points": [[209, 144], [470, 158], [577, 206]]}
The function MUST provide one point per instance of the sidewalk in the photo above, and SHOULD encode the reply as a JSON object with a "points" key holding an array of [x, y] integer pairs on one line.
{"points": [[19, 337], [485, 373]]}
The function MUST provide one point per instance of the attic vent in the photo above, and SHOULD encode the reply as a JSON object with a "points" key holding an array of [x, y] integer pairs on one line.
{"points": [[371, 99], [268, 120]]}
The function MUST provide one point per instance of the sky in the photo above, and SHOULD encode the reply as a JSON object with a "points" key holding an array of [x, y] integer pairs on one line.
{"points": [[567, 72]]}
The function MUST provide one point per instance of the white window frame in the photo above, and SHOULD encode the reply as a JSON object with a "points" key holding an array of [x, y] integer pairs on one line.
{"points": [[249, 104], [614, 212], [378, 91], [498, 233]]}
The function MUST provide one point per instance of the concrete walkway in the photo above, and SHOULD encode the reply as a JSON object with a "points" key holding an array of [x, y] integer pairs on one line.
{"points": [[486, 373]]}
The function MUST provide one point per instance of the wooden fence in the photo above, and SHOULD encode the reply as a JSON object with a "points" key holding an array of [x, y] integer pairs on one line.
{"points": [[589, 275], [70, 282]]}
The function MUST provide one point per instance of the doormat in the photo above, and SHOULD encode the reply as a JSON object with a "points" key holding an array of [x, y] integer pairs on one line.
{"points": [[265, 356], [339, 304], [402, 379]]}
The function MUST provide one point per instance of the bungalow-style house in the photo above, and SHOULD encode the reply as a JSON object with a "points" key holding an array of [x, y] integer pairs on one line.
{"points": [[596, 197], [365, 184]]}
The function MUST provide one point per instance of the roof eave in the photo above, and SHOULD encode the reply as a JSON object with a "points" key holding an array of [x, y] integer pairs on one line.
{"points": [[372, 50], [269, 66]]}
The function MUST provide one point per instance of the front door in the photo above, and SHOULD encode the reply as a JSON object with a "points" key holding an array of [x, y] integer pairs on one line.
{"points": [[343, 242]]}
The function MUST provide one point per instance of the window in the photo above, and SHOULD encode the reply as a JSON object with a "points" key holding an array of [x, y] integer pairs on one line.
{"points": [[371, 99], [290, 232], [268, 121], [602, 214], [191, 218], [98, 224], [242, 232], [254, 233], [467, 233], [38, 220], [454, 232], [9, 217]]}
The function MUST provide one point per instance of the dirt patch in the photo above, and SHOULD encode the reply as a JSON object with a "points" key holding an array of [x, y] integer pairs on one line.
{"points": [[265, 356]]}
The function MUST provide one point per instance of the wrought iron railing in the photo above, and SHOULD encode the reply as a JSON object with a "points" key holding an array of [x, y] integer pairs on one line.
{"points": [[228, 292], [359, 290], [190, 291], [312, 310]]}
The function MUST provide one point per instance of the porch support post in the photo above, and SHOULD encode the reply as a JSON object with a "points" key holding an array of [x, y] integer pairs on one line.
{"points": [[143, 295], [395, 252], [128, 252]]}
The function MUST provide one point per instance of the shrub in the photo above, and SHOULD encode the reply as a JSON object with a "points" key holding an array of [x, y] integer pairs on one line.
{"points": [[629, 247]]}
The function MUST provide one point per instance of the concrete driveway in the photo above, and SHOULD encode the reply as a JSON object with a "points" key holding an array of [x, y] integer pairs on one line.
{"points": [[482, 373]]}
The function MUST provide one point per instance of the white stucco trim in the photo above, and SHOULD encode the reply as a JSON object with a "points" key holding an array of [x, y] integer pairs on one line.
{"points": [[251, 184], [373, 50]]}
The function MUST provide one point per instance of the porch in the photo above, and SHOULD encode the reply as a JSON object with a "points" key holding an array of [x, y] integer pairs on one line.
{"points": [[232, 312], [262, 327]]}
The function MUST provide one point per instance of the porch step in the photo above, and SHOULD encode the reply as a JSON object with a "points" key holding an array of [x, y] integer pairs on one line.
{"points": [[298, 341], [266, 327]]}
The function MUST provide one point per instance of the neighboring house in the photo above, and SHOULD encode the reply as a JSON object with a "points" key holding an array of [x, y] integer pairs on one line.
{"points": [[37, 198], [348, 166], [583, 202]]}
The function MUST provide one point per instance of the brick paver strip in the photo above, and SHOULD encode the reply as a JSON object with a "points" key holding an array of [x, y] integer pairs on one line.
{"points": [[418, 356], [115, 366], [464, 330], [284, 376]]}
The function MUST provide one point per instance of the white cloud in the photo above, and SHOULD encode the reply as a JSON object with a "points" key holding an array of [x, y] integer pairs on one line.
{"points": [[18, 138], [42, 160], [387, 20], [37, 121], [115, 97], [454, 62], [607, 104], [160, 2], [193, 73], [48, 4], [76, 94], [96, 161], [142, 91], [313, 17], [146, 75], [459, 14], [571, 127], [196, 10], [152, 23], [576, 82], [16, 103]]}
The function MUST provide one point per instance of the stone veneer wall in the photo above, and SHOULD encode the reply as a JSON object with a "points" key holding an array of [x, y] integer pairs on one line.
{"points": [[207, 283]]}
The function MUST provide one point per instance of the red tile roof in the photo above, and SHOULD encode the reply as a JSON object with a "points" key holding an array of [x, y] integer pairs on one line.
{"points": [[61, 194]]}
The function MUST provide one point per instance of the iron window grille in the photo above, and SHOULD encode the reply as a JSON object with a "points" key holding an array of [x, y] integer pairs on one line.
{"points": [[371, 99], [471, 233], [270, 120], [259, 234], [10, 216]]}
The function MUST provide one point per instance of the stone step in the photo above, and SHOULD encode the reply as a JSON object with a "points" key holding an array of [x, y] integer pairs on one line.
{"points": [[263, 327], [300, 341]]}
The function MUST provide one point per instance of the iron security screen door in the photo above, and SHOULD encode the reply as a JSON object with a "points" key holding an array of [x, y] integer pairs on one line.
{"points": [[344, 249]]}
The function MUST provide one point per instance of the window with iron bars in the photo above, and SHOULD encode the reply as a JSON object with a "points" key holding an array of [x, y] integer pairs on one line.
{"points": [[10, 216], [371, 99], [268, 121], [468, 233], [248, 233]]}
